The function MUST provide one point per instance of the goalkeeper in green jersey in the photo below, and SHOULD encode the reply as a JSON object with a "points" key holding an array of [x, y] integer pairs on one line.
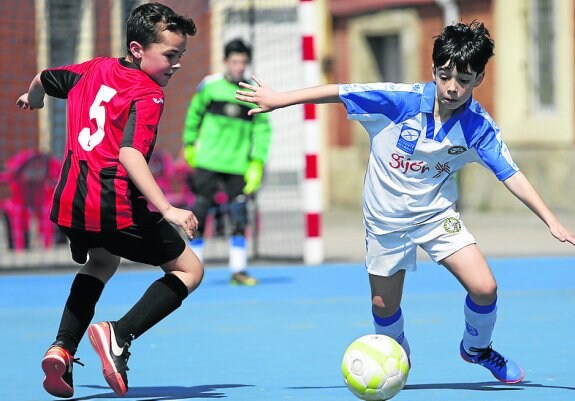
{"points": [[227, 148]]}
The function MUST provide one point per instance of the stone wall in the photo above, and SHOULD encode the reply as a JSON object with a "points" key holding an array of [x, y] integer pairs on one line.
{"points": [[550, 170]]}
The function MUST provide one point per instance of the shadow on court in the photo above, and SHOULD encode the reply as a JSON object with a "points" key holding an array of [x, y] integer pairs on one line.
{"points": [[482, 386], [477, 386], [165, 393]]}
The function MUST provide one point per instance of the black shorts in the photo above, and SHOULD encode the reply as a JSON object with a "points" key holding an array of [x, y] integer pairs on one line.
{"points": [[152, 240], [207, 183]]}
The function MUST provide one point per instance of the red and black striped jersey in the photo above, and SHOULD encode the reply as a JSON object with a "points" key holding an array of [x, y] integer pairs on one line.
{"points": [[111, 104]]}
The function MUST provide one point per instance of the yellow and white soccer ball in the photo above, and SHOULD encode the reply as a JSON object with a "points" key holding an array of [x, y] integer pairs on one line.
{"points": [[375, 367]]}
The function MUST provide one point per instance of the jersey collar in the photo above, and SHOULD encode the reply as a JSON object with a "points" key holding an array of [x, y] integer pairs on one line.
{"points": [[428, 98], [125, 63]]}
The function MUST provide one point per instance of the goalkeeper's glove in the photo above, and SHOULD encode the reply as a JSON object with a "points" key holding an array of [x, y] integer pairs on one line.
{"points": [[253, 176], [190, 155]]}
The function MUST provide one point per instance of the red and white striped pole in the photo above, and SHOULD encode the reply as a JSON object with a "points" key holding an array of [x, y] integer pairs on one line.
{"points": [[313, 252]]}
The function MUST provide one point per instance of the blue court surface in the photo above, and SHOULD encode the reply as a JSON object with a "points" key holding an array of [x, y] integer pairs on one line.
{"points": [[284, 339]]}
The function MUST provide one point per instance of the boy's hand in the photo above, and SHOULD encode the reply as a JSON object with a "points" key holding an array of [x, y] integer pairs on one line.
{"points": [[260, 95], [190, 155], [562, 234], [253, 177], [183, 218], [24, 103]]}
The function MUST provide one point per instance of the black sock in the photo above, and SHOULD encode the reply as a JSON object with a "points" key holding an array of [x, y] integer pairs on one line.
{"points": [[163, 297], [85, 292]]}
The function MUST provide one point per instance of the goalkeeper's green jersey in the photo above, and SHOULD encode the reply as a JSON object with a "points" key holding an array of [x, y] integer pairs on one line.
{"points": [[225, 137]]}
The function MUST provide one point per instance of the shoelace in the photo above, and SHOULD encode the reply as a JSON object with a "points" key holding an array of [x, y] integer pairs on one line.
{"points": [[77, 360], [71, 362], [490, 355], [127, 355]]}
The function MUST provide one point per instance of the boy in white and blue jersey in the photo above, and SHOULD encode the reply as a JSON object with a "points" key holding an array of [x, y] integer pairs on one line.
{"points": [[420, 136], [411, 171]]}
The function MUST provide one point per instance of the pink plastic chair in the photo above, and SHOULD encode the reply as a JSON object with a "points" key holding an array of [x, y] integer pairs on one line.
{"points": [[31, 177]]}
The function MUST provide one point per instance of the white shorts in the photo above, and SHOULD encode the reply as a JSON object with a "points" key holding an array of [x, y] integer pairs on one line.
{"points": [[388, 253]]}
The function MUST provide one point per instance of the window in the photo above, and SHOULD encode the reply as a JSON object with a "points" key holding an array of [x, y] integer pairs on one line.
{"points": [[543, 54], [63, 31], [386, 51]]}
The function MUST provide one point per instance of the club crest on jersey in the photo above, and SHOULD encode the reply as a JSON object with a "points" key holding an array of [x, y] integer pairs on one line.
{"points": [[232, 110], [408, 139], [452, 225], [456, 150]]}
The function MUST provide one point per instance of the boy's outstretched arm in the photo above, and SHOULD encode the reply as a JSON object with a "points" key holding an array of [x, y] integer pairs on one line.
{"points": [[140, 174], [520, 186], [267, 99], [34, 98]]}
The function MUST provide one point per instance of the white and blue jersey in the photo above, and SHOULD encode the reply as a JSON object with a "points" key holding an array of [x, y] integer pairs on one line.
{"points": [[410, 177]]}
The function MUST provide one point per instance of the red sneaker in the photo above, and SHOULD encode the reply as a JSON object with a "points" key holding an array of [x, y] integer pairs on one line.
{"points": [[57, 366], [114, 358]]}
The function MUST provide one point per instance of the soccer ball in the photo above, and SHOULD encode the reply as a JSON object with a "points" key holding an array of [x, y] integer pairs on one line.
{"points": [[375, 367]]}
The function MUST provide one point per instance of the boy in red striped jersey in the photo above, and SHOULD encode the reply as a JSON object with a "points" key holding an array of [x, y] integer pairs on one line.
{"points": [[100, 201]]}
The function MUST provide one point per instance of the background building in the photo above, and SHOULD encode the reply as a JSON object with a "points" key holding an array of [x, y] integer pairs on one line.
{"points": [[529, 88]]}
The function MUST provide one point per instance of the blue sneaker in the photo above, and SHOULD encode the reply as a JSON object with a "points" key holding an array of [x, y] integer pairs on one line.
{"points": [[504, 370]]}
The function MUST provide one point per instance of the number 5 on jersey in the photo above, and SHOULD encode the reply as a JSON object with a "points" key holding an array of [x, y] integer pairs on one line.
{"points": [[87, 140]]}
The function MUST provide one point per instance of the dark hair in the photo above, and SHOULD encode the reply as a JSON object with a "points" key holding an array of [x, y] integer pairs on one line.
{"points": [[237, 46], [463, 45], [147, 21]]}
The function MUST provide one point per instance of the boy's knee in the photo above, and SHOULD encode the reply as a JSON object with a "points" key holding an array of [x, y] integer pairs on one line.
{"points": [[196, 278], [102, 257], [484, 295], [383, 308], [192, 277]]}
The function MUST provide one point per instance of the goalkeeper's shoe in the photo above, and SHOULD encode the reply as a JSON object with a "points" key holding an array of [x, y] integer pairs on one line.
{"points": [[242, 278]]}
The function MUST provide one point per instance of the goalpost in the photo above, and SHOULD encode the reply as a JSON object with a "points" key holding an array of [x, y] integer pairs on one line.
{"points": [[289, 203]]}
